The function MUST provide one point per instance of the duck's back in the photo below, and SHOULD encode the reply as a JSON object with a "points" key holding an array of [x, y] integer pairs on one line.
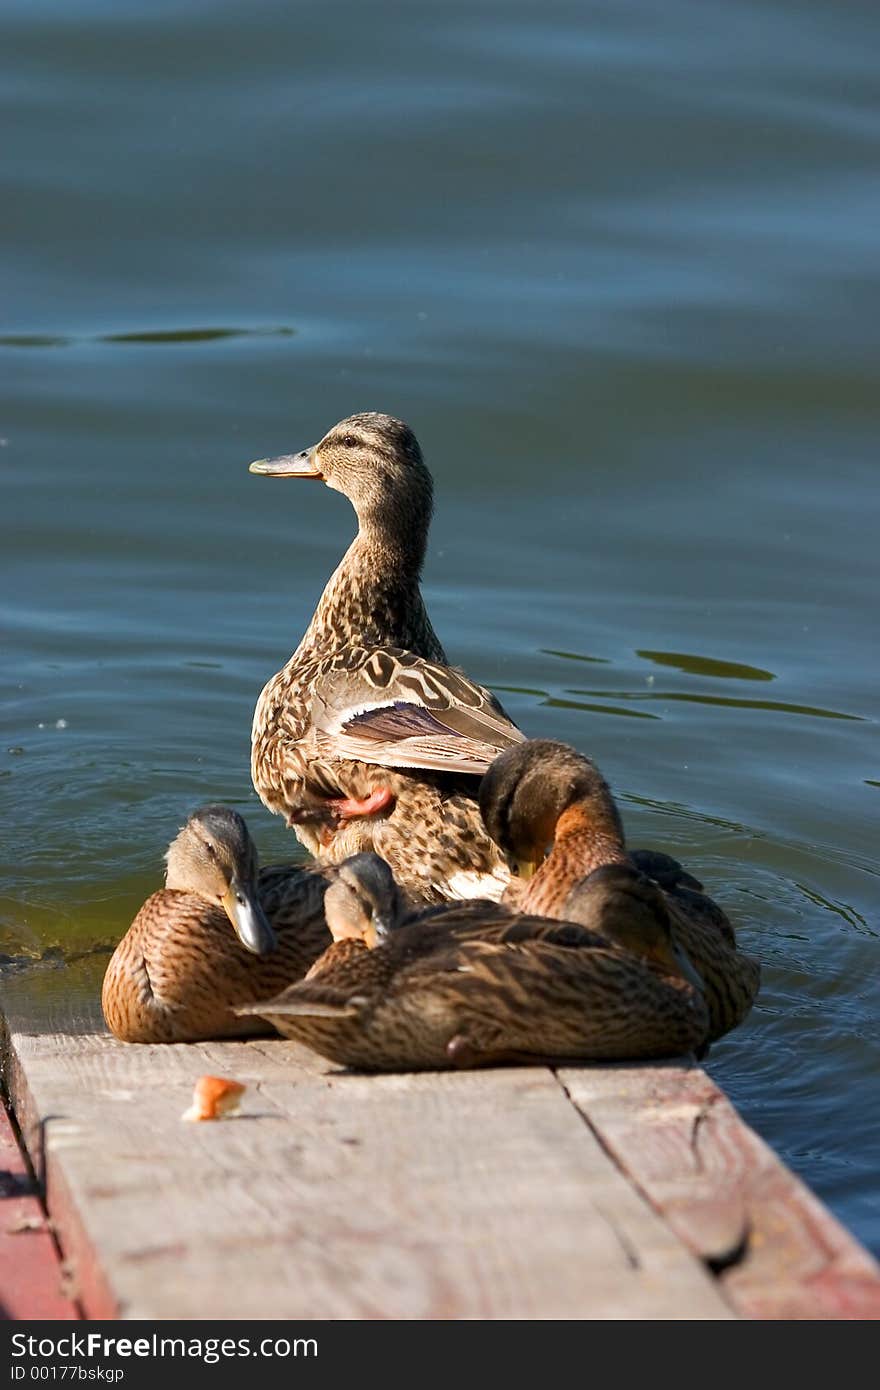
{"points": [[509, 989]]}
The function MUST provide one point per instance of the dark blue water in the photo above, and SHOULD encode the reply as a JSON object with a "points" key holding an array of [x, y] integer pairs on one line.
{"points": [[617, 265]]}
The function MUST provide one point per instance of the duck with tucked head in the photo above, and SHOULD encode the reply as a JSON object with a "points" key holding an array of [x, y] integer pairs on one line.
{"points": [[545, 795], [367, 739], [221, 932], [475, 986]]}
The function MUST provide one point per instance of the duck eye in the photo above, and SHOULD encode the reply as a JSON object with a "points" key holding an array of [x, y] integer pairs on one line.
{"points": [[210, 848], [349, 441]]}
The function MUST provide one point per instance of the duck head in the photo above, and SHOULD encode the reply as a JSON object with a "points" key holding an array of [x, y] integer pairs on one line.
{"points": [[363, 902], [535, 790], [626, 907], [215, 858], [376, 462]]}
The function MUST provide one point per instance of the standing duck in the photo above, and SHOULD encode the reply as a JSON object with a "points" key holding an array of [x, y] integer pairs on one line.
{"points": [[545, 794], [367, 739], [220, 933], [447, 989]]}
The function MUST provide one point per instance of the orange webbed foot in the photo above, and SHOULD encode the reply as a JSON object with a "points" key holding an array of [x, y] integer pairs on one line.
{"points": [[347, 808]]}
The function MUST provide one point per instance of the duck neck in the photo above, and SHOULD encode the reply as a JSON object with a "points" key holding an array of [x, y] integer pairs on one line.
{"points": [[373, 598], [585, 839]]}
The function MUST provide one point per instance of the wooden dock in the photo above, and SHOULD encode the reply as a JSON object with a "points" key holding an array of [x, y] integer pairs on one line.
{"points": [[618, 1192]]}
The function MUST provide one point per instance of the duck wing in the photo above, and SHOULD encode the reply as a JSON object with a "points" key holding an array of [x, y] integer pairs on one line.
{"points": [[390, 707], [431, 939]]}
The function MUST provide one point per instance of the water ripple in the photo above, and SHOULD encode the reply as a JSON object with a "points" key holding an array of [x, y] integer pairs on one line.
{"points": [[777, 706], [707, 666], [162, 337]]}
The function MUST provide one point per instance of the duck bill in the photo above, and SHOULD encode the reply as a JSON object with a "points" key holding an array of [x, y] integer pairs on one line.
{"points": [[686, 968], [251, 924], [526, 868], [302, 465], [378, 932]]}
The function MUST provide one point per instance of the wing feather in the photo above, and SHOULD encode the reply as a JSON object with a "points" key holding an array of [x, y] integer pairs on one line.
{"points": [[396, 709]]}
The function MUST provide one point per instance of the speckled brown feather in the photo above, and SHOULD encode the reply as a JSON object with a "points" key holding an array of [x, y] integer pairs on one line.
{"points": [[588, 833], [731, 979], [452, 990], [180, 967]]}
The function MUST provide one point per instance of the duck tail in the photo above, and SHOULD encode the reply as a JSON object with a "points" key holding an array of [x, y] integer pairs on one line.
{"points": [[311, 1004]]}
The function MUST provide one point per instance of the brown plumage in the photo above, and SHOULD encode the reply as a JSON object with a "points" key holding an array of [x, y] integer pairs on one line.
{"points": [[472, 985], [220, 933], [544, 794], [368, 739]]}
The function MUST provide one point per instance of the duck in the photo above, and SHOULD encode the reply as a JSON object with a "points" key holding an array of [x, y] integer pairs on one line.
{"points": [[473, 985], [367, 739], [221, 932], [546, 795]]}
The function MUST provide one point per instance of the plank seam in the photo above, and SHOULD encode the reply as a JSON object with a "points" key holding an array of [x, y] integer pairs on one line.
{"points": [[713, 1267]]}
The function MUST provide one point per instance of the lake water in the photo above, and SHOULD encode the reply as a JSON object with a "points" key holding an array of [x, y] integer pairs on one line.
{"points": [[617, 265]]}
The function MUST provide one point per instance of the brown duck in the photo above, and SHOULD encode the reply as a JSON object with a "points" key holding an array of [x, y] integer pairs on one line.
{"points": [[220, 933], [472, 985], [544, 795], [368, 739]]}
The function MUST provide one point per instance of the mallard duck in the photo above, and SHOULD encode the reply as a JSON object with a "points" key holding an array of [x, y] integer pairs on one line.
{"points": [[368, 739], [544, 794], [220, 932], [447, 990]]}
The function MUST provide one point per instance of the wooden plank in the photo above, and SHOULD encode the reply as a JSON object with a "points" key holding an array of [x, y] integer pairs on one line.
{"points": [[32, 1279], [780, 1253], [476, 1195]]}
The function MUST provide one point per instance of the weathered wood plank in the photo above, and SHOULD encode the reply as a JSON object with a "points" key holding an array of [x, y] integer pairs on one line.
{"points": [[31, 1274], [477, 1195], [726, 1194]]}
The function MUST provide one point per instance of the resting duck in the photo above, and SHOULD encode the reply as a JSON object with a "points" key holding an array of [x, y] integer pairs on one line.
{"points": [[368, 739], [545, 794], [446, 989], [219, 933]]}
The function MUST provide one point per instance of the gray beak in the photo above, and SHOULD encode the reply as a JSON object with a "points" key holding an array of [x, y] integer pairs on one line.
{"points": [[251, 924], [300, 465], [382, 927]]}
